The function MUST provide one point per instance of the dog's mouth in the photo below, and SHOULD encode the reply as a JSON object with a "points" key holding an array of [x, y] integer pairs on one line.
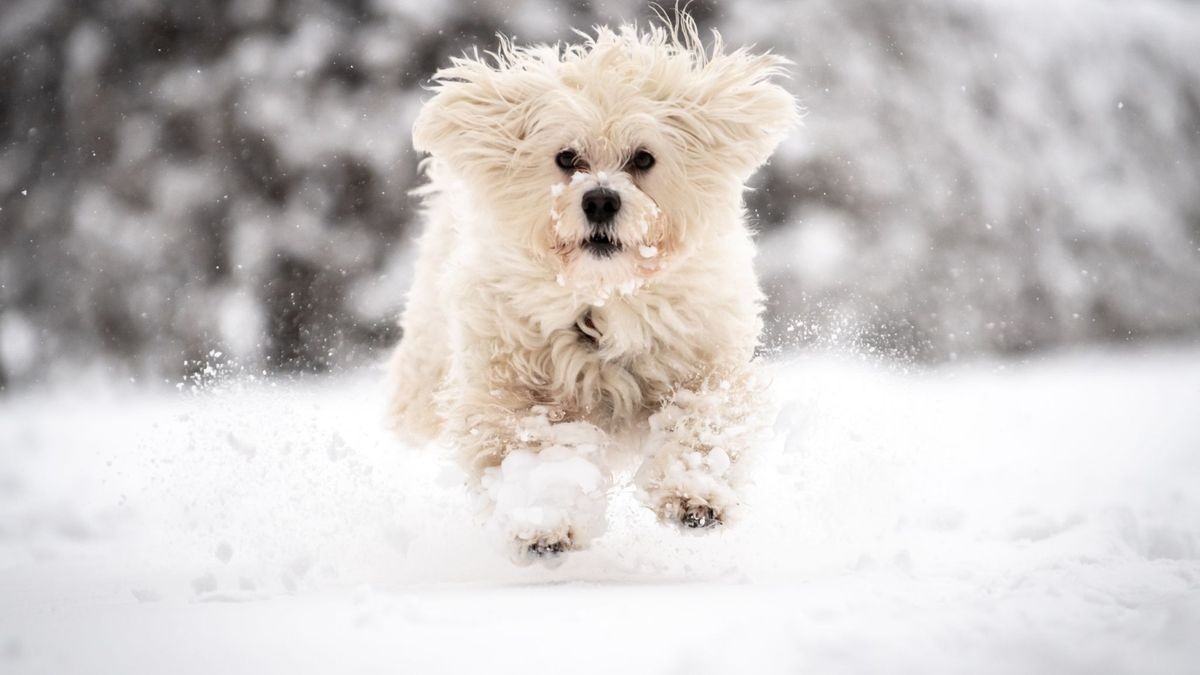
{"points": [[601, 244]]}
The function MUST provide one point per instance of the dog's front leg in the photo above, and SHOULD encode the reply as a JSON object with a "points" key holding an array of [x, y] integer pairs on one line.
{"points": [[698, 441], [540, 482]]}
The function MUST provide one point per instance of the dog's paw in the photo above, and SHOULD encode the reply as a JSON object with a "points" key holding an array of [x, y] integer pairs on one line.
{"points": [[700, 518], [690, 515], [690, 496], [547, 503], [549, 550]]}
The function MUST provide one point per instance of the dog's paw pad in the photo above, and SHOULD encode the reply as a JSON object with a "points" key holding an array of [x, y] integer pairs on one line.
{"points": [[548, 551], [699, 517], [690, 516], [543, 549]]}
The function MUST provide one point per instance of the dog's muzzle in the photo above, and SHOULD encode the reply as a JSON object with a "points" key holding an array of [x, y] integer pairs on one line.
{"points": [[600, 206]]}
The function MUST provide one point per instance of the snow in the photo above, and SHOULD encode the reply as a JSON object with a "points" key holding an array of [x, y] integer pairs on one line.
{"points": [[984, 517]]}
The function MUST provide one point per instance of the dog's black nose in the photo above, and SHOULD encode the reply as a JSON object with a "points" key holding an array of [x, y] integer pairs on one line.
{"points": [[600, 205]]}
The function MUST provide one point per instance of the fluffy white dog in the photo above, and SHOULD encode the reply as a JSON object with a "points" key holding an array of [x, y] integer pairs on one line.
{"points": [[585, 283]]}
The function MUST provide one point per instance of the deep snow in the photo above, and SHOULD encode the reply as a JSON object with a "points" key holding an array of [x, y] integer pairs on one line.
{"points": [[987, 517]]}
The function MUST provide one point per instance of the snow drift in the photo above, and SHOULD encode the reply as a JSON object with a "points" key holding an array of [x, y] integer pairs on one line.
{"points": [[984, 518]]}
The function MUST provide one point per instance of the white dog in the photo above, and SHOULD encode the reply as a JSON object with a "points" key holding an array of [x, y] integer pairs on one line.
{"points": [[585, 282]]}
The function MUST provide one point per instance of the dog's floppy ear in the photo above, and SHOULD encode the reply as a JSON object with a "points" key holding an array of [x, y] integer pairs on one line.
{"points": [[478, 116], [736, 110]]}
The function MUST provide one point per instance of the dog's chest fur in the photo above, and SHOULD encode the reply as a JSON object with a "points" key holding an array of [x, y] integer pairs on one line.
{"points": [[615, 363]]}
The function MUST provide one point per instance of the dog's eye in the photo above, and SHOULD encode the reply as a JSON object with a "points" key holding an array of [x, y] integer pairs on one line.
{"points": [[566, 160], [642, 160]]}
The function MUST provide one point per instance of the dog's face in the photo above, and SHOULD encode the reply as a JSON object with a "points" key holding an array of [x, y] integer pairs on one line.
{"points": [[606, 161]]}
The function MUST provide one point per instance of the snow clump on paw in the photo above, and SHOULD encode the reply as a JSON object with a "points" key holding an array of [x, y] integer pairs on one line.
{"points": [[696, 442], [552, 499]]}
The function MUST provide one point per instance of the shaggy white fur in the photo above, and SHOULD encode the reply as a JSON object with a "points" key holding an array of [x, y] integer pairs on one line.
{"points": [[537, 333]]}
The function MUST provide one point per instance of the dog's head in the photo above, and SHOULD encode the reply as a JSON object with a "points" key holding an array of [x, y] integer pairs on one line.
{"points": [[608, 159]]}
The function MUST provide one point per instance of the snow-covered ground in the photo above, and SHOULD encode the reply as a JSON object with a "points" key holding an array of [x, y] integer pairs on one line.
{"points": [[987, 517]]}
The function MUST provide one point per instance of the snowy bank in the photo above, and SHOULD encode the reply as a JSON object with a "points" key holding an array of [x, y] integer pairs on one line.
{"points": [[992, 517]]}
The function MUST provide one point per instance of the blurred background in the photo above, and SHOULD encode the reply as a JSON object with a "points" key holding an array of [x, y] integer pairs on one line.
{"points": [[183, 182]]}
